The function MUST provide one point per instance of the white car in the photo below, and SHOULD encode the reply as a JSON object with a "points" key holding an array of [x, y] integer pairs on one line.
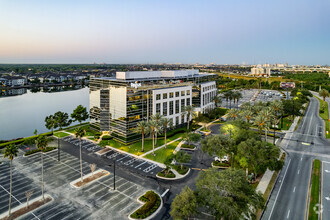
{"points": [[224, 159]]}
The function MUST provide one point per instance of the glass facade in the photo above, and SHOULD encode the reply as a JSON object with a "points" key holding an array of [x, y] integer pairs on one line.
{"points": [[116, 106]]}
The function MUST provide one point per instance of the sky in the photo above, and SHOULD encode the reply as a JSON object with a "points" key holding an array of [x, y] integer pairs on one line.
{"points": [[165, 31]]}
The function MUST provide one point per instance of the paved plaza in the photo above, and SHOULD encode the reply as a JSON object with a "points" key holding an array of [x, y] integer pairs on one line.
{"points": [[95, 201]]}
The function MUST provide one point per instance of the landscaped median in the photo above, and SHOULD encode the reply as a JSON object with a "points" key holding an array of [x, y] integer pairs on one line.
{"points": [[24, 209], [314, 196], [324, 114], [152, 203], [89, 178]]}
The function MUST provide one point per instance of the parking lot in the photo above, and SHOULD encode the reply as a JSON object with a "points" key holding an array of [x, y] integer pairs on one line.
{"points": [[135, 164], [95, 201], [253, 95]]}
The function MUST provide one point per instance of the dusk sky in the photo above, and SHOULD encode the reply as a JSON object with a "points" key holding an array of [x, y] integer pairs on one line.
{"points": [[165, 31]]}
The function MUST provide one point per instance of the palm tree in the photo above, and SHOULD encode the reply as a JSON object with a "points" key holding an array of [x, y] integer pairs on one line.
{"points": [[79, 133], [324, 93], [233, 113], [246, 106], [230, 96], [259, 120], [141, 128], [10, 152], [267, 114], [166, 123], [41, 144], [236, 96], [217, 101], [189, 111], [156, 117], [152, 128], [247, 114], [50, 122]]}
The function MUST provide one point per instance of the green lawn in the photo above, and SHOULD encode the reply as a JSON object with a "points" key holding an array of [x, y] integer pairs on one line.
{"points": [[315, 191], [325, 116], [162, 154], [286, 123], [61, 134], [136, 147]]}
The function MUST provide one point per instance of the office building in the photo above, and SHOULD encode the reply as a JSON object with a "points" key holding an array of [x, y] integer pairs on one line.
{"points": [[118, 103]]}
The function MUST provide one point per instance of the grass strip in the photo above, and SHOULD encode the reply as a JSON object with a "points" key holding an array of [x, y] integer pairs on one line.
{"points": [[315, 191]]}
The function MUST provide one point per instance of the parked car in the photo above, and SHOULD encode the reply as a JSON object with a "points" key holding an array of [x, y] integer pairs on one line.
{"points": [[222, 160]]}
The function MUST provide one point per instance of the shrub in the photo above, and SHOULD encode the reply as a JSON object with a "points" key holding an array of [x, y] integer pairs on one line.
{"points": [[152, 202], [191, 146], [167, 173], [220, 164], [38, 150], [106, 137], [321, 111], [181, 170]]}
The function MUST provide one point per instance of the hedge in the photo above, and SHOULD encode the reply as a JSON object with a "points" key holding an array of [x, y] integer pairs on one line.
{"points": [[169, 174], [152, 202], [220, 164], [106, 137], [182, 171], [191, 146], [38, 150], [19, 141]]}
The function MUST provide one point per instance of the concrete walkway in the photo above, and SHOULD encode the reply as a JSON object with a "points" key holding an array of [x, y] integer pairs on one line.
{"points": [[149, 152]]}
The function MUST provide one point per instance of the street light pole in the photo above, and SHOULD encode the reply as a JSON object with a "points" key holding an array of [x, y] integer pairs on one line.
{"points": [[58, 149], [114, 173]]}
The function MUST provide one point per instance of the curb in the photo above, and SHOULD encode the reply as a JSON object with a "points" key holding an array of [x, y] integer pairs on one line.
{"points": [[174, 178], [88, 175]]}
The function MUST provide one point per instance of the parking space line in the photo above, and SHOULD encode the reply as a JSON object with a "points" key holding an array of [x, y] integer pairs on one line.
{"points": [[140, 164], [123, 157], [17, 200]]}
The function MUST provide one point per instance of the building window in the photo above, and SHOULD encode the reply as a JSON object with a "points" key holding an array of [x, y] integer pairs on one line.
{"points": [[177, 121], [177, 94], [182, 104], [164, 95], [182, 93], [164, 108], [188, 92], [188, 101], [158, 108], [171, 108], [182, 119], [158, 97], [177, 106], [171, 94]]}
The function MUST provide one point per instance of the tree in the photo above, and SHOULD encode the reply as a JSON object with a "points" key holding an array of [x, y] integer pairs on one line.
{"points": [[258, 154], [267, 114], [189, 111], [219, 145], [217, 101], [227, 194], [259, 121], [184, 205], [236, 96], [28, 195], [142, 128], [80, 114], [247, 114], [10, 152], [153, 126], [233, 113], [62, 119], [324, 93], [166, 123], [50, 123], [191, 137], [157, 118], [230, 96], [41, 144], [79, 133]]}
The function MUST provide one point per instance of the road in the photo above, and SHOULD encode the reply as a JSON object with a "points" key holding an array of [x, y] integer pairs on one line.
{"points": [[289, 197]]}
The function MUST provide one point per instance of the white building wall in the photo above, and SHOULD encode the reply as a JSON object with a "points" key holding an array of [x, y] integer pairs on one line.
{"points": [[208, 91], [187, 90]]}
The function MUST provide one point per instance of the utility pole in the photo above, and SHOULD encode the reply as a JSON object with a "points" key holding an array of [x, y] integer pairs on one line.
{"points": [[114, 173]]}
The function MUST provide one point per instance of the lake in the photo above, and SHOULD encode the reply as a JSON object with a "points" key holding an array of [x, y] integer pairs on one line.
{"points": [[21, 115]]}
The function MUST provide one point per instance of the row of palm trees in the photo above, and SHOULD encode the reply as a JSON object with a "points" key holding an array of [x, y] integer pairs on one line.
{"points": [[159, 124], [11, 151], [232, 95], [261, 114]]}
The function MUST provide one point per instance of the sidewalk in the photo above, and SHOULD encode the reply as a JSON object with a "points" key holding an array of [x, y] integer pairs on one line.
{"points": [[149, 152], [264, 182]]}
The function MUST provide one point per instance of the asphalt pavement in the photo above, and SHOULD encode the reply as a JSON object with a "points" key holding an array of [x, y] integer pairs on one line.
{"points": [[289, 197]]}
